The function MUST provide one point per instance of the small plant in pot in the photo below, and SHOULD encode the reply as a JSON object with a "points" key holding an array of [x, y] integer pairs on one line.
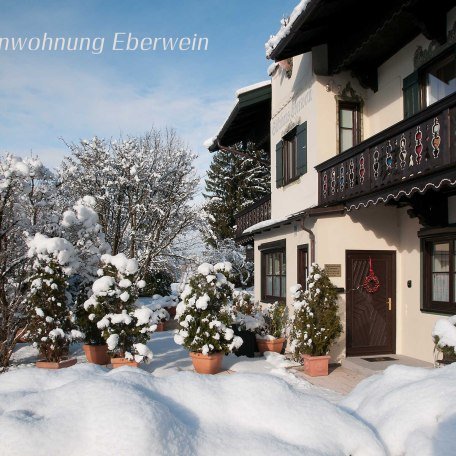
{"points": [[271, 335], [248, 319], [161, 316], [125, 327], [51, 325], [315, 324], [444, 336], [205, 318]]}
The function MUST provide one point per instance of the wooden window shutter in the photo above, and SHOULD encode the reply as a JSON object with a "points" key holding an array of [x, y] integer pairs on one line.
{"points": [[279, 164], [301, 154], [411, 94]]}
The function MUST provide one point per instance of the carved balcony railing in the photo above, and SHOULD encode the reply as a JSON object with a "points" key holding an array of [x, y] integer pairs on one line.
{"points": [[257, 212], [414, 148]]}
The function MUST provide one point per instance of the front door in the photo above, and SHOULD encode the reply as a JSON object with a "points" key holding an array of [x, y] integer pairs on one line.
{"points": [[371, 307]]}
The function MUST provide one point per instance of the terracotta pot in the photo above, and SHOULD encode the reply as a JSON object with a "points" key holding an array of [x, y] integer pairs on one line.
{"points": [[97, 354], [160, 327], [273, 345], [207, 364], [43, 364], [171, 311], [316, 366], [119, 362]]}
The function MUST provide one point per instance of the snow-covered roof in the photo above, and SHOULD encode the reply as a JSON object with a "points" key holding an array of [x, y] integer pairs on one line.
{"points": [[287, 25], [252, 87], [264, 224]]}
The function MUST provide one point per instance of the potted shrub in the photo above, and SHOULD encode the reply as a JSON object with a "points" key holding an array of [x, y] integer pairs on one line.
{"points": [[248, 319], [205, 318], [444, 335], [271, 335], [125, 327], [315, 324], [51, 324]]}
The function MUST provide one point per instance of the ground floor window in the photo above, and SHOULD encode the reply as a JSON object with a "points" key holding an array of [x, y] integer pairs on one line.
{"points": [[303, 265], [439, 272], [273, 271]]}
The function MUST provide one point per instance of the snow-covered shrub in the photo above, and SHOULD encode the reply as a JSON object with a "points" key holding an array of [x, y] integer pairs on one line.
{"points": [[125, 327], [248, 316], [226, 250], [315, 323], [275, 318], [27, 199], [157, 283], [51, 323], [81, 227], [205, 314], [444, 335]]}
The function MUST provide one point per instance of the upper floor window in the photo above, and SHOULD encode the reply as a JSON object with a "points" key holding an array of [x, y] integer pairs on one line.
{"points": [[349, 125], [430, 83], [291, 156]]}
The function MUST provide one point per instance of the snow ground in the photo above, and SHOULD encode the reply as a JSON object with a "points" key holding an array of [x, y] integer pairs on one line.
{"points": [[165, 409]]}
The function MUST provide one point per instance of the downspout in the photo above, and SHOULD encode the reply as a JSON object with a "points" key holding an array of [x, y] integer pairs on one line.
{"points": [[311, 238]]}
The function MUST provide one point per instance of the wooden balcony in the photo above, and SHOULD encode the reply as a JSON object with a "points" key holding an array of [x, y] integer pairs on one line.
{"points": [[253, 214], [412, 152]]}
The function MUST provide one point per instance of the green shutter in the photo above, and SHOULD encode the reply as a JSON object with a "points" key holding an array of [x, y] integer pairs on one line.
{"points": [[279, 164], [411, 94], [301, 154]]}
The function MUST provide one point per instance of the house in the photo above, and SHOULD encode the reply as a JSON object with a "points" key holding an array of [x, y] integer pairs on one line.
{"points": [[363, 161]]}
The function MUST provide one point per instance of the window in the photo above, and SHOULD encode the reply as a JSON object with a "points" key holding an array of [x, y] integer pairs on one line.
{"points": [[303, 265], [273, 271], [349, 125], [439, 273], [430, 83], [291, 156]]}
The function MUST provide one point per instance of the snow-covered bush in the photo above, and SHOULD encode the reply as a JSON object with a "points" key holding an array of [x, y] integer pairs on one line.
{"points": [[275, 317], [226, 250], [125, 327], [205, 314], [315, 323], [248, 316], [51, 323], [444, 335], [27, 199], [81, 227]]}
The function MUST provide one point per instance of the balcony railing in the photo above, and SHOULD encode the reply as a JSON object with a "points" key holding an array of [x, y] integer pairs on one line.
{"points": [[253, 214], [413, 148]]}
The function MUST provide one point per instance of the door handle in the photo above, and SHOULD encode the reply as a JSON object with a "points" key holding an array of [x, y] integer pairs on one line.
{"points": [[389, 301]]}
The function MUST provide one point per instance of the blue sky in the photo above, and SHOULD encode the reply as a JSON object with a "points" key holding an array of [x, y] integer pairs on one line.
{"points": [[49, 95]]}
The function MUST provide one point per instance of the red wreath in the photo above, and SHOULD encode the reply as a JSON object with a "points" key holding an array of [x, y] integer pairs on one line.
{"points": [[371, 283]]}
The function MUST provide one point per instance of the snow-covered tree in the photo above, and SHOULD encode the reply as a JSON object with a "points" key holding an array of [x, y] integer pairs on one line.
{"points": [[51, 324], [315, 324], [226, 250], [125, 327], [143, 189], [27, 198], [444, 336], [205, 314], [233, 183], [275, 317]]}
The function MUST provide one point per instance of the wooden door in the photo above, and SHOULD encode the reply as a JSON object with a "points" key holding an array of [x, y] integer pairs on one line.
{"points": [[371, 317], [303, 265]]}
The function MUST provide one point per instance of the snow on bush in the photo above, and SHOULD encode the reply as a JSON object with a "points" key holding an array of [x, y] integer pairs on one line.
{"points": [[86, 410], [412, 410], [205, 315], [125, 327], [248, 316], [315, 323], [444, 335], [275, 317], [51, 323]]}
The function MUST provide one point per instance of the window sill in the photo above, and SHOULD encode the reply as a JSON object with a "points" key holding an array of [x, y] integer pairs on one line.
{"points": [[439, 312], [288, 182], [270, 300]]}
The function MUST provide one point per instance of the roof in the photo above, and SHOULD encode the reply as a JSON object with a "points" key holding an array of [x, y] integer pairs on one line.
{"points": [[357, 35], [249, 119]]}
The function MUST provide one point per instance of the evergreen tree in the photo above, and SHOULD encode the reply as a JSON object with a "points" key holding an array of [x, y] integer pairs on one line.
{"points": [[233, 183]]}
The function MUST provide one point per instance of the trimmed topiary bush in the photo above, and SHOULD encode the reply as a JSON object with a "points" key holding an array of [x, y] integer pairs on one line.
{"points": [[315, 324]]}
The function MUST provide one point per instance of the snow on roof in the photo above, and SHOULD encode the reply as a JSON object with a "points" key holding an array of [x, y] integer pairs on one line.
{"points": [[272, 67], [209, 141], [249, 88], [260, 225], [285, 29]]}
